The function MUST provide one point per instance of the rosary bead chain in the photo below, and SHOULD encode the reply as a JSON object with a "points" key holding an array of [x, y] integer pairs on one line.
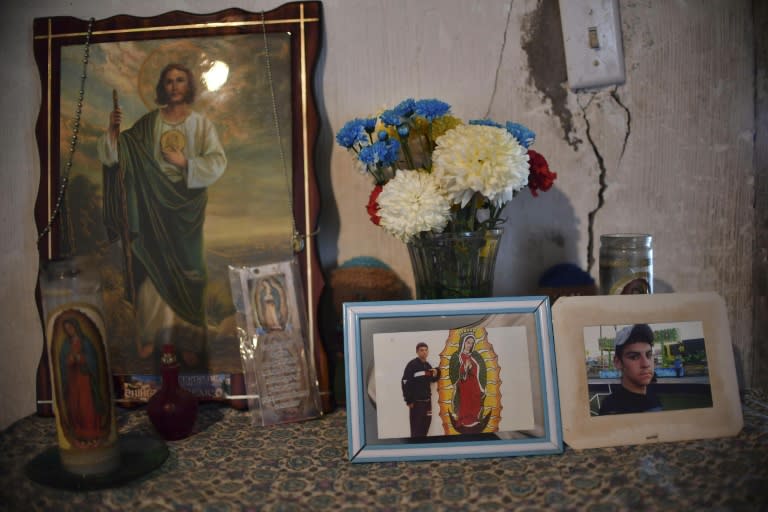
{"points": [[64, 179], [297, 240]]}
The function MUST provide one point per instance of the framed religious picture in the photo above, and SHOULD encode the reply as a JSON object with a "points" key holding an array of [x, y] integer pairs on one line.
{"points": [[637, 369], [172, 147], [441, 379]]}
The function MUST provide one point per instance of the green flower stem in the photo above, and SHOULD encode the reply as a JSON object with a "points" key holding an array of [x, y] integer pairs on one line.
{"points": [[378, 177], [494, 216], [407, 152], [465, 218], [382, 174], [430, 139], [427, 148]]}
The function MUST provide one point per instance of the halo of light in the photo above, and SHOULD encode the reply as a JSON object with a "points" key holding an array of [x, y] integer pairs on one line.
{"points": [[181, 52]]}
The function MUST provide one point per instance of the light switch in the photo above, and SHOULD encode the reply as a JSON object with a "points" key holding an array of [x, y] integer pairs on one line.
{"points": [[592, 36], [594, 42]]}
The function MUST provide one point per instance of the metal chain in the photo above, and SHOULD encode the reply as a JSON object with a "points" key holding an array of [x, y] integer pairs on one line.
{"points": [[297, 239], [64, 178]]}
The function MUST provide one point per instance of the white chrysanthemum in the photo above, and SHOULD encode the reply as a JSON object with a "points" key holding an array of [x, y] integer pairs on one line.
{"points": [[478, 158], [412, 202]]}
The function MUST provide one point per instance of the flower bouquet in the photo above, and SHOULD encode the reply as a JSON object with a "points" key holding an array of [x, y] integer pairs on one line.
{"points": [[437, 179]]}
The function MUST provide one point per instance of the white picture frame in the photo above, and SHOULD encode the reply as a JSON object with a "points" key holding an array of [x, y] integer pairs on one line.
{"points": [[513, 338], [717, 413]]}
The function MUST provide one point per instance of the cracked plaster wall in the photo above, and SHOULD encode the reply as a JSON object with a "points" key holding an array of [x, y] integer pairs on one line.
{"points": [[687, 174], [669, 152], [681, 169]]}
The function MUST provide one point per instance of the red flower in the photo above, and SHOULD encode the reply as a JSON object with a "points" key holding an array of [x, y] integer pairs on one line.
{"points": [[540, 178], [373, 205]]}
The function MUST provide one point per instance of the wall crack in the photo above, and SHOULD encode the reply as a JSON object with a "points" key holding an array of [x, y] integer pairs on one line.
{"points": [[498, 64], [602, 177], [615, 96], [600, 191]]}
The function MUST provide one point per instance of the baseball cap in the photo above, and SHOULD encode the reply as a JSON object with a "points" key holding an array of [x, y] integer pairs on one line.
{"points": [[633, 333]]}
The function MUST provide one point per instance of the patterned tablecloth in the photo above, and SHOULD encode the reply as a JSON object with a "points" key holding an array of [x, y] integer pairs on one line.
{"points": [[231, 465]]}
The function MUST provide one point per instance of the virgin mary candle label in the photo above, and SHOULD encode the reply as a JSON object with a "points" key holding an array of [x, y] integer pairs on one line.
{"points": [[80, 377], [81, 380]]}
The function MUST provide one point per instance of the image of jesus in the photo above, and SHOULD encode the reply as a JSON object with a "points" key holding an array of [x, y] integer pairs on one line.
{"points": [[156, 175]]}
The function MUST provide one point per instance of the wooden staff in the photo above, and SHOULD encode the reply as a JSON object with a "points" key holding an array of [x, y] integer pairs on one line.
{"points": [[125, 234]]}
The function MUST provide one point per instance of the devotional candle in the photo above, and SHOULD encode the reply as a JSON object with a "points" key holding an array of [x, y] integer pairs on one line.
{"points": [[81, 380]]}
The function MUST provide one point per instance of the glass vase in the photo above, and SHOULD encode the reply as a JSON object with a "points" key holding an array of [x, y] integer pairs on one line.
{"points": [[454, 265]]}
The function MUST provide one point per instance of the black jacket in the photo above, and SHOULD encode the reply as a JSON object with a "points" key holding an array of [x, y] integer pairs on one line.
{"points": [[623, 401], [415, 382]]}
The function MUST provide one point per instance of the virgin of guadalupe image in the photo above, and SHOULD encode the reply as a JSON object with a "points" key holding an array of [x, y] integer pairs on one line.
{"points": [[271, 306], [469, 377], [84, 405], [156, 175], [470, 394]]}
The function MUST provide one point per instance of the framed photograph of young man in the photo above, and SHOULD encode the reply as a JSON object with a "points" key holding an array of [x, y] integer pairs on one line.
{"points": [[639, 369], [450, 379]]}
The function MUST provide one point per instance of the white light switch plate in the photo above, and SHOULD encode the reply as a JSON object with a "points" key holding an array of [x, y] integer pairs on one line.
{"points": [[592, 37]]}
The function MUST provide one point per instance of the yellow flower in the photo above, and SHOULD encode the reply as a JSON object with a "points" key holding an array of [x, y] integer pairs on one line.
{"points": [[420, 126], [443, 124]]}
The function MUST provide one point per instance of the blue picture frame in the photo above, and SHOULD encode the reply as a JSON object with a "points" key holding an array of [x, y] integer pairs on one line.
{"points": [[511, 340]]}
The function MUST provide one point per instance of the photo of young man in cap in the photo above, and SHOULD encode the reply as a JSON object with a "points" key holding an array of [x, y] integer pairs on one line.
{"points": [[633, 356]]}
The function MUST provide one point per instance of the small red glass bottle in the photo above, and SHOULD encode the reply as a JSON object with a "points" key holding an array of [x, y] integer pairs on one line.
{"points": [[172, 409]]}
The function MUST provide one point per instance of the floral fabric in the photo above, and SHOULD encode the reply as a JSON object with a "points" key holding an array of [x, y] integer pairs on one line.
{"points": [[230, 465]]}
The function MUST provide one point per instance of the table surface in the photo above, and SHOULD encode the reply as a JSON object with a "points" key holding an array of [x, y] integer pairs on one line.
{"points": [[230, 464]]}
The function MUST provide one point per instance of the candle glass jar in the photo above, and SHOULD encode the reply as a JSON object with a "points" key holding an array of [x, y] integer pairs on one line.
{"points": [[626, 264], [81, 380]]}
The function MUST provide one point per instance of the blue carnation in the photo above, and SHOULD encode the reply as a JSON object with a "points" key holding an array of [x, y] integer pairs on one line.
{"points": [[406, 107], [381, 152], [391, 118], [485, 122], [523, 135], [368, 154], [393, 152], [369, 124], [351, 133], [431, 109]]}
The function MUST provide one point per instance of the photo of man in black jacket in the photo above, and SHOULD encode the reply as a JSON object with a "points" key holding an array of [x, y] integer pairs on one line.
{"points": [[417, 390]]}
